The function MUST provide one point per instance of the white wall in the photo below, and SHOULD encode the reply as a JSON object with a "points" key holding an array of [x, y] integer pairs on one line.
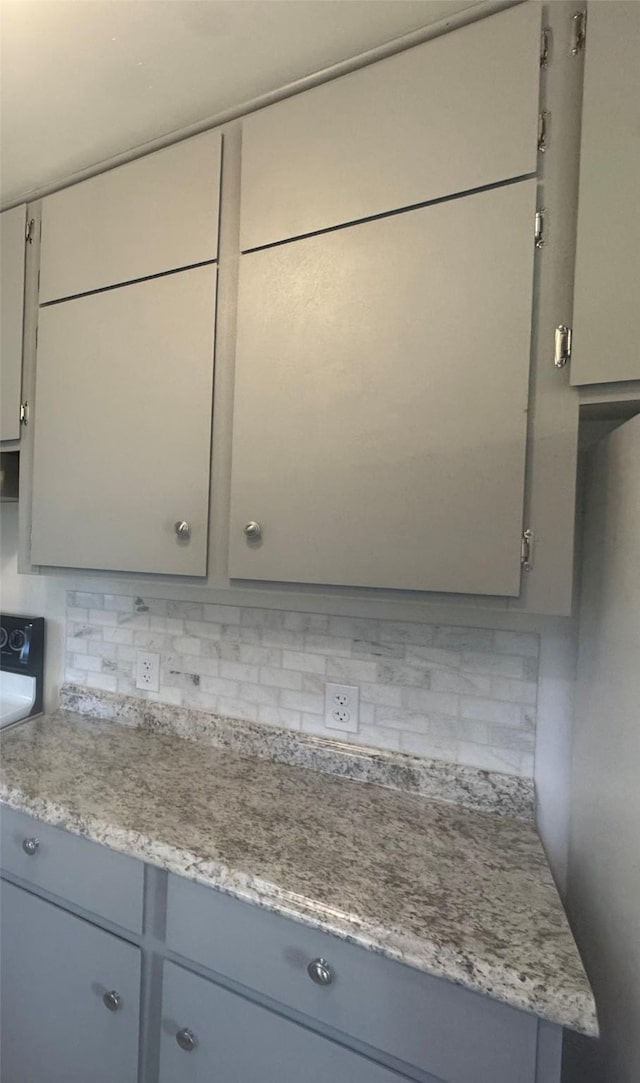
{"points": [[604, 841]]}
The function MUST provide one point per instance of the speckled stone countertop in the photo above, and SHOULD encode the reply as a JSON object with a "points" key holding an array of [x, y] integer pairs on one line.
{"points": [[459, 893]]}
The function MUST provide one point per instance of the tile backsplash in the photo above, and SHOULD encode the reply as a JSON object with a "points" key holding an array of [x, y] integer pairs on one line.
{"points": [[467, 695]]}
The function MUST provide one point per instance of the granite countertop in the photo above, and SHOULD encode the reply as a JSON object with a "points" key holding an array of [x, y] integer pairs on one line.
{"points": [[459, 892]]}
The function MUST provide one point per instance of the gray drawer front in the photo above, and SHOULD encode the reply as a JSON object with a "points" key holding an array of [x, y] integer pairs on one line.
{"points": [[82, 872], [278, 1051], [430, 1023]]}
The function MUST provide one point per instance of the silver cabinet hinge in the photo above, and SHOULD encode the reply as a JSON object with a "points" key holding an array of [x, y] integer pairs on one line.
{"points": [[543, 123], [562, 352], [30, 231], [578, 32], [545, 47], [539, 228], [526, 550], [24, 413]]}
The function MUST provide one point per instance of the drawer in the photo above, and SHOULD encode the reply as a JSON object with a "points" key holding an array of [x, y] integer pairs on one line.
{"points": [[82, 872], [456, 113], [424, 1021], [235, 1040]]}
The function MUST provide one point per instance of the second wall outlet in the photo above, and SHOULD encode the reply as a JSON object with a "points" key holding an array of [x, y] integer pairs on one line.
{"points": [[148, 671], [341, 707]]}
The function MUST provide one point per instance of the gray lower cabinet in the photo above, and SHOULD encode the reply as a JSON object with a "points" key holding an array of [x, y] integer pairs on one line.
{"points": [[210, 1035], [57, 970]]}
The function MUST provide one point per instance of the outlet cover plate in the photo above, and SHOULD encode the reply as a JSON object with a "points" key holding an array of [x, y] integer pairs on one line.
{"points": [[148, 671], [341, 704]]}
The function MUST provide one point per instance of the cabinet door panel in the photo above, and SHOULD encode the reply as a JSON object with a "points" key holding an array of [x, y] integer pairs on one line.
{"points": [[381, 398], [240, 1042], [55, 971], [123, 427], [12, 242], [456, 113], [607, 314], [155, 214]]}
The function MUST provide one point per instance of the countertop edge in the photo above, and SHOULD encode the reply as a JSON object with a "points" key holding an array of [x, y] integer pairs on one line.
{"points": [[573, 1011]]}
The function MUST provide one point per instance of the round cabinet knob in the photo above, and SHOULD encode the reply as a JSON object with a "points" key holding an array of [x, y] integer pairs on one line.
{"points": [[320, 972], [186, 1039], [183, 529], [30, 846], [112, 1001], [253, 531]]}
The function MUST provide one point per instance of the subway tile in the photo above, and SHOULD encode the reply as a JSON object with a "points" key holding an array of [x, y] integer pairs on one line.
{"points": [[202, 629], [202, 701], [302, 701], [106, 682], [185, 610], [168, 625], [259, 693], [524, 692], [372, 650], [262, 618], [103, 616], [325, 644], [218, 686], [424, 744], [383, 695], [278, 637], [375, 737], [491, 710], [153, 607], [436, 657], [306, 622], [90, 662], [86, 600], [74, 674], [122, 603], [422, 699], [259, 656], [499, 665], [153, 641], [239, 671], [463, 639], [279, 716], [452, 680], [237, 708], [406, 632], [75, 612], [222, 614], [355, 628], [118, 635], [281, 678], [351, 670], [521, 643], [511, 738], [168, 694], [314, 682], [184, 645], [414, 721], [307, 663], [403, 673]]}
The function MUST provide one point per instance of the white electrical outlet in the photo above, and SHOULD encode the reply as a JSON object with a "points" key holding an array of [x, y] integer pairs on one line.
{"points": [[148, 671], [341, 707]]}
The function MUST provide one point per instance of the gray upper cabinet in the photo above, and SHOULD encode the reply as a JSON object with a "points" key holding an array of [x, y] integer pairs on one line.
{"points": [[454, 114], [211, 1034], [156, 214], [56, 970], [380, 416], [12, 255], [123, 427], [606, 321]]}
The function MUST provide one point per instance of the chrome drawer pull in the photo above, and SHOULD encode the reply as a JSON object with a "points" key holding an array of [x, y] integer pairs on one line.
{"points": [[186, 1039], [112, 1001], [320, 972], [30, 846]]}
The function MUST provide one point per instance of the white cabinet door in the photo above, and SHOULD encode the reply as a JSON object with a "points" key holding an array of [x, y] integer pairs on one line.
{"points": [[123, 427], [151, 215], [606, 319], [454, 114], [55, 970], [12, 243], [210, 1035], [381, 400]]}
